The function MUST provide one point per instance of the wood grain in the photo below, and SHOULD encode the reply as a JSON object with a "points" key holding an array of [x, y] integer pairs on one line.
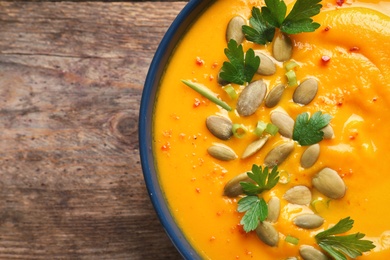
{"points": [[71, 78]]}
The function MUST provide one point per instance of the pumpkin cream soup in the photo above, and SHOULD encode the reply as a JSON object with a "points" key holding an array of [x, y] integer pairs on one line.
{"points": [[271, 130]]}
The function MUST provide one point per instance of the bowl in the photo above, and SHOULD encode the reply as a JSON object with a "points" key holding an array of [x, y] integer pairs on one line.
{"points": [[339, 111], [182, 22]]}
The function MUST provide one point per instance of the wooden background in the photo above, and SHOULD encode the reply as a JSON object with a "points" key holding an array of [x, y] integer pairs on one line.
{"points": [[71, 78]]}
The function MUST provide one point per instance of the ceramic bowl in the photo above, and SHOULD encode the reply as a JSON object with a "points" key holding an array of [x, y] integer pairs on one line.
{"points": [[189, 13]]}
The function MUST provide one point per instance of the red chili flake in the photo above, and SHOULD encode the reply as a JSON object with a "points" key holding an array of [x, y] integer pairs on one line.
{"points": [[199, 61], [327, 28], [374, 99], [214, 65], [212, 238], [196, 102], [197, 190], [340, 2], [325, 58], [166, 146], [211, 77], [353, 135], [355, 48]]}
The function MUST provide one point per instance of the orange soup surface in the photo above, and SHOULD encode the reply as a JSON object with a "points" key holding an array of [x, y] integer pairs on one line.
{"points": [[349, 56]]}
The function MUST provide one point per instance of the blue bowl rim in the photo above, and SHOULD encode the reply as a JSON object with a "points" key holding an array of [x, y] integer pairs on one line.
{"points": [[181, 23]]}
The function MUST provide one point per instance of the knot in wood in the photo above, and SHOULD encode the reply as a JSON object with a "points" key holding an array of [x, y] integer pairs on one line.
{"points": [[124, 126]]}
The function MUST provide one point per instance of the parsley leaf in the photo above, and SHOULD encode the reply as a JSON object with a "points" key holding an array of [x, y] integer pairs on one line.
{"points": [[273, 15], [298, 20], [274, 12], [241, 68], [338, 246], [264, 180], [255, 209], [308, 131], [261, 31]]}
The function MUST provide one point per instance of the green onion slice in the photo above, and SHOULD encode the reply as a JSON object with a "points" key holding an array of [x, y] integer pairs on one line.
{"points": [[320, 205], [292, 240], [230, 91], [271, 129], [238, 130], [290, 65], [284, 177], [207, 93], [260, 128], [291, 78]]}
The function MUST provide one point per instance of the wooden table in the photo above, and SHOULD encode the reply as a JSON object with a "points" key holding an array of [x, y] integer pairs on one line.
{"points": [[71, 78]]}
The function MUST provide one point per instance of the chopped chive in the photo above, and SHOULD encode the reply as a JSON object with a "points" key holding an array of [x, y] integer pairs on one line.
{"points": [[207, 93], [291, 78], [292, 240], [239, 130], [260, 128], [290, 65], [271, 129], [230, 91]]}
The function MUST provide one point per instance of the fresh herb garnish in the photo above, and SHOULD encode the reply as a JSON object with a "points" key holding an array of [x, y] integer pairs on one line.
{"points": [[338, 246], [308, 131], [298, 20], [207, 93], [273, 15], [255, 208], [264, 180], [261, 32], [242, 67]]}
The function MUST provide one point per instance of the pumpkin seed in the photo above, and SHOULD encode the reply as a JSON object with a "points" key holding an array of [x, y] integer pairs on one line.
{"points": [[284, 122], [306, 91], [310, 156], [299, 194], [308, 221], [219, 126], [310, 253], [267, 233], [254, 147], [282, 47], [273, 209], [328, 132], [291, 258], [222, 152], [233, 188], [267, 65], [234, 29], [274, 95], [251, 98], [278, 154], [329, 183]]}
